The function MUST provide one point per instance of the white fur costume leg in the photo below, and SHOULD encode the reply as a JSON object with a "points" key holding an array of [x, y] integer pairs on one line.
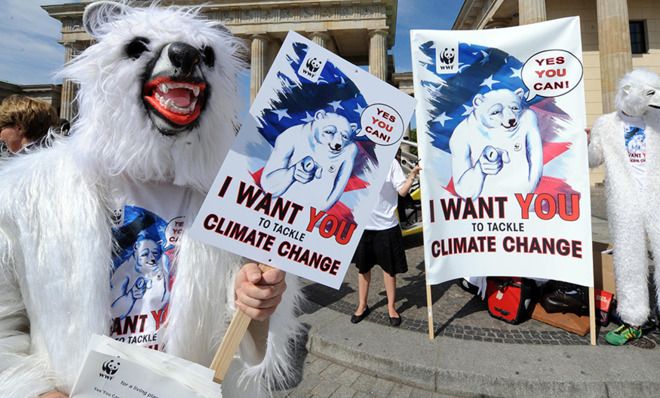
{"points": [[631, 271]]}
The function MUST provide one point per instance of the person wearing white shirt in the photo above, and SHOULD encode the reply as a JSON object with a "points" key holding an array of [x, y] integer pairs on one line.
{"points": [[382, 243]]}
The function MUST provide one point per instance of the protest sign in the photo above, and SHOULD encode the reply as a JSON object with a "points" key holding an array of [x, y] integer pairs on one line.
{"points": [[500, 119], [307, 165]]}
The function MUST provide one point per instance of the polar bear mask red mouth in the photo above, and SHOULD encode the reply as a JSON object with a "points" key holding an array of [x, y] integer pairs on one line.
{"points": [[179, 102]]}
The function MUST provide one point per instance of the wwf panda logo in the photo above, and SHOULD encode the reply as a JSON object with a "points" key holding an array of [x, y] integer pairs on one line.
{"points": [[447, 56], [313, 65], [110, 367]]}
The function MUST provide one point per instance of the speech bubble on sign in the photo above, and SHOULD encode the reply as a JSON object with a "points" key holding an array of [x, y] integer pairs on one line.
{"points": [[381, 124], [551, 73]]}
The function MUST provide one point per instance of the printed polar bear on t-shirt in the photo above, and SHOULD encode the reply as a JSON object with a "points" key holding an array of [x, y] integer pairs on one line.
{"points": [[497, 149], [312, 162]]}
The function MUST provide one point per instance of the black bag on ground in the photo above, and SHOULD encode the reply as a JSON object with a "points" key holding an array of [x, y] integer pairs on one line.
{"points": [[510, 299]]}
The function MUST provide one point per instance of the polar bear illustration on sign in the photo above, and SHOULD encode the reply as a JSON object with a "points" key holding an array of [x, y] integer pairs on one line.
{"points": [[313, 160], [497, 150]]}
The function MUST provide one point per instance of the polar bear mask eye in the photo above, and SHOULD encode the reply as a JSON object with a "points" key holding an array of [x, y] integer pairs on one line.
{"points": [[136, 47], [208, 55]]}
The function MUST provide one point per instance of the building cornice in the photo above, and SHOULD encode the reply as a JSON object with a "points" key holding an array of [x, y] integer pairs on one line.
{"points": [[242, 16], [476, 14]]}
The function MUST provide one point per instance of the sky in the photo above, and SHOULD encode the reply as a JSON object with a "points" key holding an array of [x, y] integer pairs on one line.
{"points": [[31, 53]]}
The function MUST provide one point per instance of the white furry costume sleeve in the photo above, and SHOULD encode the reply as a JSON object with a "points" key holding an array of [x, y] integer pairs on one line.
{"points": [[21, 374], [596, 140], [197, 326], [51, 231]]}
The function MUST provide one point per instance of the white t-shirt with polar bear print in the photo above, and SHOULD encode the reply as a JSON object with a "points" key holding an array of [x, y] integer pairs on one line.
{"points": [[634, 139], [148, 220]]}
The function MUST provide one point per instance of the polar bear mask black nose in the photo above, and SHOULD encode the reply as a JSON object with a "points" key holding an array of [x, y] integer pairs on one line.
{"points": [[184, 57]]}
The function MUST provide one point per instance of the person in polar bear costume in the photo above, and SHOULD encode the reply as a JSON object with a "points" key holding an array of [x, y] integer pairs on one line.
{"points": [[157, 115], [627, 142]]}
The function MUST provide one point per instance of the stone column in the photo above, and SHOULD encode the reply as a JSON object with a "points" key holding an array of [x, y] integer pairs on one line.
{"points": [[323, 39], [614, 47], [531, 11], [378, 53], [258, 63], [67, 99]]}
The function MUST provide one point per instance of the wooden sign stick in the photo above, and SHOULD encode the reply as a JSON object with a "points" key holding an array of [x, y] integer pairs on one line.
{"points": [[429, 308], [233, 337], [592, 315]]}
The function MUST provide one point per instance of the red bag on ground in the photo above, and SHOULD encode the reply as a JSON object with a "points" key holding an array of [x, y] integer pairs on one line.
{"points": [[510, 299], [603, 306]]}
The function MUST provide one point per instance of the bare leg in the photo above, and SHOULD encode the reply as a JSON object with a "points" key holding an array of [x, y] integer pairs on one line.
{"points": [[390, 289], [363, 291]]}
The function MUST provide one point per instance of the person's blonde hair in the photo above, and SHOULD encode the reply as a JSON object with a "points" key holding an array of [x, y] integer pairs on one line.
{"points": [[33, 116]]}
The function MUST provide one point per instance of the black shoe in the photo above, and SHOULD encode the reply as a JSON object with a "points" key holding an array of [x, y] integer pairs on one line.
{"points": [[359, 318], [468, 287], [395, 321], [566, 298]]}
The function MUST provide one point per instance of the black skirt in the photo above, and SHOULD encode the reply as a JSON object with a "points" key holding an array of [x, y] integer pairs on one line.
{"points": [[384, 248]]}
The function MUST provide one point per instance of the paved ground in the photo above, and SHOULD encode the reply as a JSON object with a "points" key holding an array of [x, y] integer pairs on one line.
{"points": [[472, 355], [322, 378]]}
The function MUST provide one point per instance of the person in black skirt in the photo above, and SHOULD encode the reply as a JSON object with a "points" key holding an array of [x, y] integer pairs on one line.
{"points": [[382, 243]]}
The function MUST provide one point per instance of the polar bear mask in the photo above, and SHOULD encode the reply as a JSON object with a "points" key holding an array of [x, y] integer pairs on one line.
{"points": [[638, 92], [157, 93]]}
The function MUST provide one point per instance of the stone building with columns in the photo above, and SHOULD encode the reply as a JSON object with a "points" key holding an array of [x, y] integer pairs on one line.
{"points": [[49, 93], [360, 31]]}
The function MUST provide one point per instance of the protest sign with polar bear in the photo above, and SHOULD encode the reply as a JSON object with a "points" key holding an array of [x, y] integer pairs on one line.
{"points": [[500, 126], [307, 165]]}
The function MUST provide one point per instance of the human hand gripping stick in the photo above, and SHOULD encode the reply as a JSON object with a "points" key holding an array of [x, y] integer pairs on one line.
{"points": [[259, 289]]}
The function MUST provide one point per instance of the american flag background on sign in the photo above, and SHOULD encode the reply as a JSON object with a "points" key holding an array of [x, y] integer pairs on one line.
{"points": [[480, 70], [298, 99]]}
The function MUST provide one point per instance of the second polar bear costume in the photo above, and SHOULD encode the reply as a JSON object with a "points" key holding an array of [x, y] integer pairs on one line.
{"points": [[158, 106], [628, 142]]}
